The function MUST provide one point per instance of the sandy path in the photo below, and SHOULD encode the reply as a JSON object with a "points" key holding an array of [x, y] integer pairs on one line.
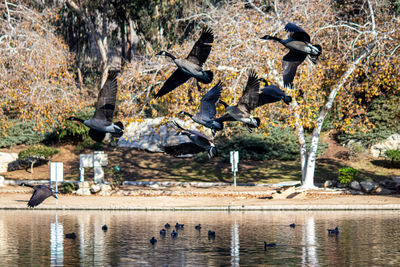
{"points": [[222, 198]]}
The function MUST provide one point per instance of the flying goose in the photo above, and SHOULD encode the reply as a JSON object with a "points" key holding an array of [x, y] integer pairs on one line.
{"points": [[199, 142], [207, 109], [300, 47], [39, 195], [247, 102], [271, 94], [192, 66], [101, 123]]}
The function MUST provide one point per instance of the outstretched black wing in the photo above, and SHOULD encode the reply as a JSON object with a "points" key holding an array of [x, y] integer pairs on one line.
{"points": [[290, 63], [202, 47], [176, 79], [106, 100], [249, 98], [207, 105], [39, 195], [270, 94], [297, 33], [183, 149]]}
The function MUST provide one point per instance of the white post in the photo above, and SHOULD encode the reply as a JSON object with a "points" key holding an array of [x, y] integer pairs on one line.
{"points": [[56, 175], [234, 157]]}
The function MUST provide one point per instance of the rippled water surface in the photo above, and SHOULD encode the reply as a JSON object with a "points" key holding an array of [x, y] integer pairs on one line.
{"points": [[36, 238]]}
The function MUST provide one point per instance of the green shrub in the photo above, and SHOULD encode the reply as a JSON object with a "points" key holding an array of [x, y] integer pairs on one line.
{"points": [[21, 133], [394, 155], [66, 188], [114, 176], [73, 130], [280, 144], [347, 175], [384, 113], [88, 143], [38, 151]]}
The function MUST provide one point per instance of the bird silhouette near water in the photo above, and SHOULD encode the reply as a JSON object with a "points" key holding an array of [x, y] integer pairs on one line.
{"points": [[40, 193]]}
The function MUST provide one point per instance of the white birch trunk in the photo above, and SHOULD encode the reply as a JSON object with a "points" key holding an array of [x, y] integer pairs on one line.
{"points": [[301, 139], [308, 178]]}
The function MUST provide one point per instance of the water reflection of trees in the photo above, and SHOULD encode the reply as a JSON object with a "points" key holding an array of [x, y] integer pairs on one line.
{"points": [[25, 238]]}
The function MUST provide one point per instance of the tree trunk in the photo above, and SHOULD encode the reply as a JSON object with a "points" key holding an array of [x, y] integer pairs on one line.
{"points": [[301, 138], [308, 178], [101, 42], [32, 163], [123, 42]]}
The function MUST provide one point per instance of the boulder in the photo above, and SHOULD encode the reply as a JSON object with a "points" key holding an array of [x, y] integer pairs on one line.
{"points": [[329, 183], [105, 190], [390, 184], [368, 186], [355, 185], [391, 143], [355, 192], [94, 189], [5, 159], [383, 191], [340, 185], [153, 134], [83, 191]]}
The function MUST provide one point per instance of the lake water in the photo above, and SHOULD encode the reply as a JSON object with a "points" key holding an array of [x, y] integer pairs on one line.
{"points": [[37, 238]]}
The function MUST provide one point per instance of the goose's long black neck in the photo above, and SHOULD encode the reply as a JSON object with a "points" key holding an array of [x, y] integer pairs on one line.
{"points": [[165, 53], [187, 114], [275, 39], [28, 185]]}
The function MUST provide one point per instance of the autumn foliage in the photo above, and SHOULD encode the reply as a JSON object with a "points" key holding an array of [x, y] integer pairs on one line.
{"points": [[37, 84], [238, 27], [36, 78]]}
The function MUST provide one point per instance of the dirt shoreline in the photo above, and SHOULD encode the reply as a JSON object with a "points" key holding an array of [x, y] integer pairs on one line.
{"points": [[246, 198]]}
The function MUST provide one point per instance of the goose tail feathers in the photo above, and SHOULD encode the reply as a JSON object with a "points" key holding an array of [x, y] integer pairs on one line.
{"points": [[120, 125]]}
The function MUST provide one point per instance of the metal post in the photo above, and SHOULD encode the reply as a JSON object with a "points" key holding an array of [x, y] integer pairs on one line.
{"points": [[234, 157]]}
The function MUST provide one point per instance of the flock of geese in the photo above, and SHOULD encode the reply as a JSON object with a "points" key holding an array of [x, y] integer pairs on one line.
{"points": [[300, 47]]}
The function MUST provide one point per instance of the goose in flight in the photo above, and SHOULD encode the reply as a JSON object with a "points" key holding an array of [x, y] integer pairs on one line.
{"points": [[271, 94], [300, 46], [191, 66], [101, 123], [208, 109], [199, 142], [247, 102], [40, 193]]}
